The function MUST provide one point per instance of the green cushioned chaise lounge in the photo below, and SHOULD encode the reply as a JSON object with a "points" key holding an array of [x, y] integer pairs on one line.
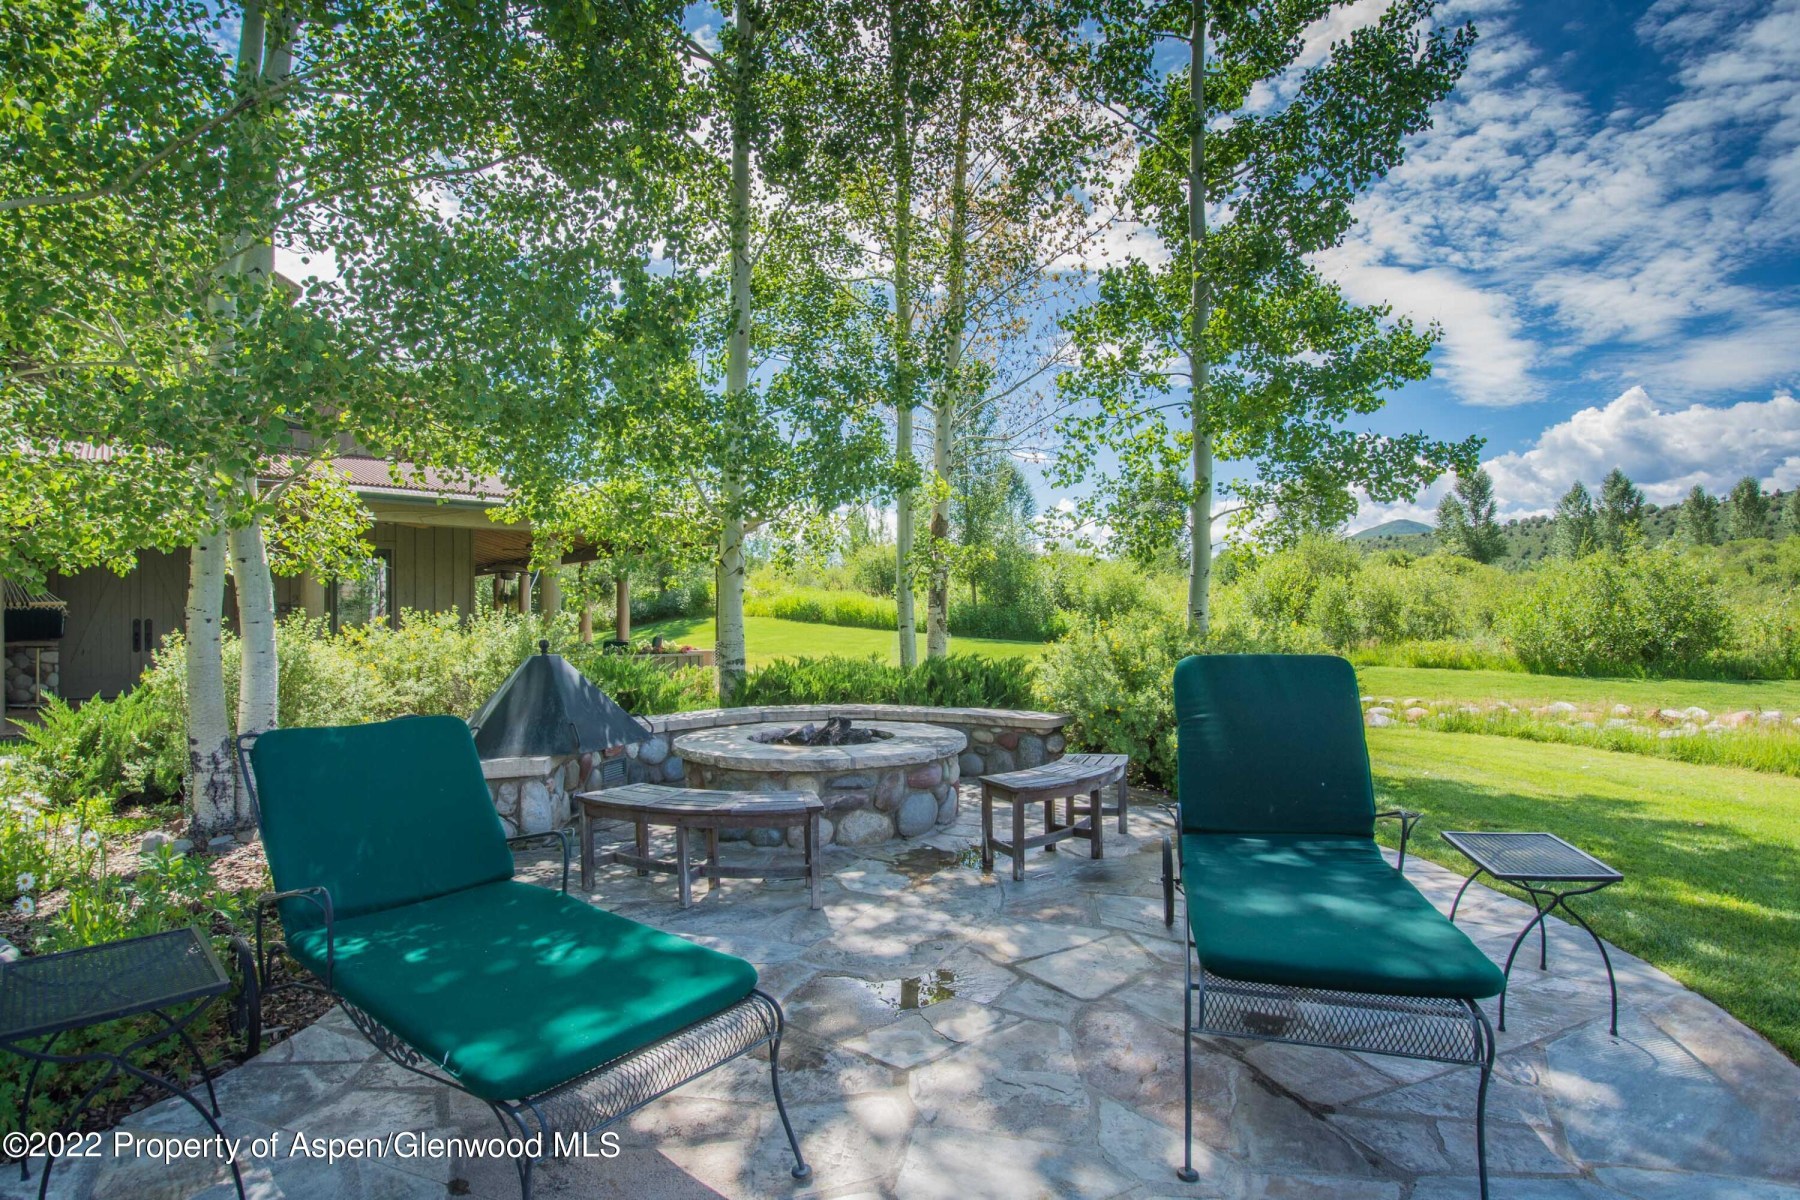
{"points": [[1298, 929], [395, 890]]}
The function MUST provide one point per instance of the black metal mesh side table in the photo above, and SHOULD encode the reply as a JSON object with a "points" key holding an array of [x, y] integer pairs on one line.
{"points": [[1548, 868], [48, 995]]}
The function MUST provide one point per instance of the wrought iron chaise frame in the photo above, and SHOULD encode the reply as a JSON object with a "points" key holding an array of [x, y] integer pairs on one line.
{"points": [[588, 1103], [1433, 1029]]}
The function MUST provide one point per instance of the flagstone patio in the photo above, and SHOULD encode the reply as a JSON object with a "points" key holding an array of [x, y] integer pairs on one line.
{"points": [[959, 1035]]}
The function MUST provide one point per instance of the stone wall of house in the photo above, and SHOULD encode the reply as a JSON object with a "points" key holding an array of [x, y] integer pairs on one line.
{"points": [[32, 673]]}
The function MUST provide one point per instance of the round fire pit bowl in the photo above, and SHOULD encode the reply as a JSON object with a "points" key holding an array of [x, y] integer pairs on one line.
{"points": [[902, 784]]}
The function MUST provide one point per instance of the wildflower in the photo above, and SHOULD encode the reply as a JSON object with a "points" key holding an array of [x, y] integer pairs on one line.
{"points": [[90, 840], [26, 882], [25, 906]]}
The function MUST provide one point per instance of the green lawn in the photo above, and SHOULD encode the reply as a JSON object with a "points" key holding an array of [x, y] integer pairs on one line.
{"points": [[1711, 855], [1524, 690], [769, 638]]}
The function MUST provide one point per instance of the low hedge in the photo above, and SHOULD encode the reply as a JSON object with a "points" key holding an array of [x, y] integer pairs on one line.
{"points": [[959, 681]]}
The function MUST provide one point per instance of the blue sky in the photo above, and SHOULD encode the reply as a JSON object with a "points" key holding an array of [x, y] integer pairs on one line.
{"points": [[1604, 218]]}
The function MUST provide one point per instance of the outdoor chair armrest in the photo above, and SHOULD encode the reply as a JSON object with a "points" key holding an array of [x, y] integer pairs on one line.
{"points": [[319, 896], [518, 841], [1407, 818]]}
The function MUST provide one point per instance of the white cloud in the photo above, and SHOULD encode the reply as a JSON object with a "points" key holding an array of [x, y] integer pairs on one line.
{"points": [[1628, 237], [1484, 348], [1666, 451]]}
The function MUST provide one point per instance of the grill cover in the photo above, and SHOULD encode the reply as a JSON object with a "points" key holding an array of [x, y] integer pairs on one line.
{"points": [[548, 707]]}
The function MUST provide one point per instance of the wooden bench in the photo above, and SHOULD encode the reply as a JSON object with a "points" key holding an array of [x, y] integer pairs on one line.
{"points": [[1067, 778], [687, 809]]}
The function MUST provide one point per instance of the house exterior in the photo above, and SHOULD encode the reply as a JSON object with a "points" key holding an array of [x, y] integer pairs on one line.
{"points": [[434, 537]]}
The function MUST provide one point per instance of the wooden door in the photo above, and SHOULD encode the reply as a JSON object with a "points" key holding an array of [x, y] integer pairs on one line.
{"points": [[115, 623]]}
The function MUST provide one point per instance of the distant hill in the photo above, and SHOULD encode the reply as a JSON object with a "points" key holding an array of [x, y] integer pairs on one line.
{"points": [[1391, 529]]}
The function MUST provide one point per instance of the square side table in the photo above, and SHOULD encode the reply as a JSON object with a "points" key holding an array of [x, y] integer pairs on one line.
{"points": [[1548, 868]]}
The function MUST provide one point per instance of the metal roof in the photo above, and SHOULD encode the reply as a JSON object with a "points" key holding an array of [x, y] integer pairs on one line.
{"points": [[17, 597]]}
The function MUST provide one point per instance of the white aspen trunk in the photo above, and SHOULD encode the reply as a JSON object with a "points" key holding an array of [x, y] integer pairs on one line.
{"points": [[937, 588], [907, 621], [259, 678], [210, 784], [1200, 506], [728, 589]]}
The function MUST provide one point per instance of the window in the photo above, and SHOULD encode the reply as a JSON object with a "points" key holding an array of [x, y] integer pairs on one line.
{"points": [[362, 601]]}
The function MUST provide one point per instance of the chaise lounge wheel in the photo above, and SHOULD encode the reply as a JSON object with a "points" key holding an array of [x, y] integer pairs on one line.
{"points": [[1168, 882]]}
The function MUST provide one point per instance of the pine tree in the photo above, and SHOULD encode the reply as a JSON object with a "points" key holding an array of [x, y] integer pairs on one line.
{"points": [[1698, 524], [1620, 519], [1454, 535], [1790, 514], [1574, 535], [1476, 493], [1746, 510]]}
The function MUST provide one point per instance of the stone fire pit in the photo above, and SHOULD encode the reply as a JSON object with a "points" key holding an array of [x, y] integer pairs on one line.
{"points": [[900, 785]]}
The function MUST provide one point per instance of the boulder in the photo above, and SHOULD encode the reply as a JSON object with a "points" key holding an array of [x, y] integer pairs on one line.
{"points": [[925, 776], [917, 814], [1559, 707], [947, 807], [673, 769], [1696, 713], [796, 837], [1031, 750], [766, 837], [537, 813], [971, 764], [1379, 720], [1737, 720], [981, 736], [1381, 711], [1770, 716], [1621, 710], [1417, 714], [1001, 760], [653, 751], [862, 826], [1055, 743]]}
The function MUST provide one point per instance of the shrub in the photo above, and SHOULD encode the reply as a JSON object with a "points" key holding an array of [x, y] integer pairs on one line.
{"points": [[115, 749], [1114, 679], [687, 597], [822, 606], [961, 680], [1640, 612], [433, 663], [1034, 623]]}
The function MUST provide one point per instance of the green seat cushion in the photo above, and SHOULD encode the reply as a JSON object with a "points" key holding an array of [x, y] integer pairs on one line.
{"points": [[512, 988], [1271, 743], [1323, 912], [380, 814]]}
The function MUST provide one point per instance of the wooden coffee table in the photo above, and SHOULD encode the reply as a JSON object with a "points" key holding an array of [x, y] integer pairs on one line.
{"points": [[695, 809]]}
